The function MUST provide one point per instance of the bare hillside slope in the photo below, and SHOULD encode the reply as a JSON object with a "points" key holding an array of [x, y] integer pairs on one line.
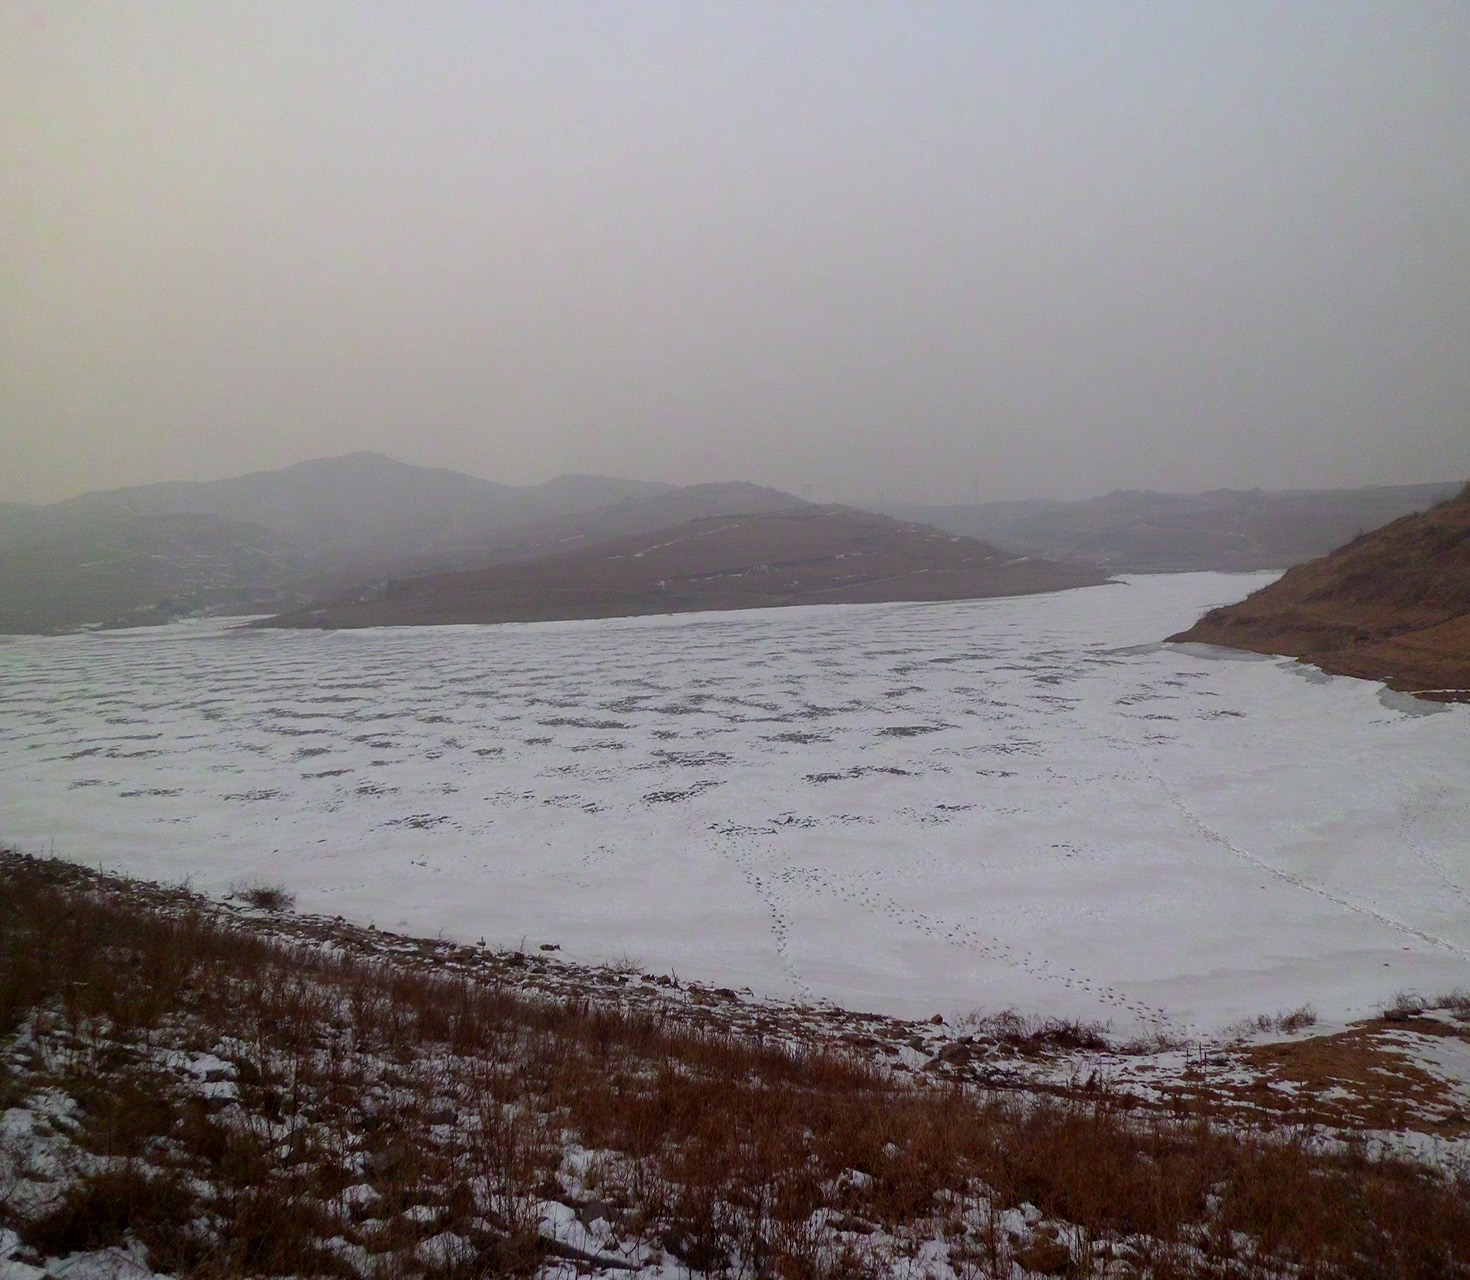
{"points": [[811, 555], [1393, 605]]}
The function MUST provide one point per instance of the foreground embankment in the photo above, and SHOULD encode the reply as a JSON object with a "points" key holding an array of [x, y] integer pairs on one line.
{"points": [[196, 1088]]}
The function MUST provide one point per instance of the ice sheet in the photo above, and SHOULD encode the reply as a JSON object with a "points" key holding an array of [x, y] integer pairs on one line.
{"points": [[906, 808]]}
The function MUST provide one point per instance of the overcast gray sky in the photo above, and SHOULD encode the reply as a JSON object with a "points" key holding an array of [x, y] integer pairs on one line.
{"points": [[911, 250]]}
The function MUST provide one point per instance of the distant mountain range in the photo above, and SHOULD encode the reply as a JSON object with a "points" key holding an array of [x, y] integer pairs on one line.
{"points": [[1393, 605], [271, 540], [1142, 532], [276, 541], [803, 555], [363, 503]]}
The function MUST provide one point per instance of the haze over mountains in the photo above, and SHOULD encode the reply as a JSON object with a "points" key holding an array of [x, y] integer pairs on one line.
{"points": [[1141, 532], [274, 541], [362, 501], [270, 540]]}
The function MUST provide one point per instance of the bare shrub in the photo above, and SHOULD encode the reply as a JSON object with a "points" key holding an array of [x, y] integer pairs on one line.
{"points": [[266, 897], [1456, 1001], [1033, 1033], [100, 1208], [1298, 1019], [1406, 1004]]}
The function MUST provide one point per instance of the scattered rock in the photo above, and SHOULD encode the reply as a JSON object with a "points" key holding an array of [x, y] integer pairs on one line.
{"points": [[1049, 1257]]}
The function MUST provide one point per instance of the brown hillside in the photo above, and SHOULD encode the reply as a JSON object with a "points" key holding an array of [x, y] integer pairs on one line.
{"points": [[813, 555], [1393, 605]]}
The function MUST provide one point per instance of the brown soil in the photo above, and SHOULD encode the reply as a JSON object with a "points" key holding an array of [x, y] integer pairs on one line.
{"points": [[813, 555], [1393, 605]]}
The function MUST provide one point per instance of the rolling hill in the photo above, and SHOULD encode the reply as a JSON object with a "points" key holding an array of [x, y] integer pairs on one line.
{"points": [[634, 514], [806, 555], [1392, 605]]}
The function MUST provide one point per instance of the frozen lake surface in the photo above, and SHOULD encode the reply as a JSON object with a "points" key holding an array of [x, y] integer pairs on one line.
{"points": [[907, 808]]}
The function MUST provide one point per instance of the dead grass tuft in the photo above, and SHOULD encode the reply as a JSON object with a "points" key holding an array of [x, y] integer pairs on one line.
{"points": [[1456, 1002], [1034, 1034], [1405, 1005], [1298, 1019], [102, 1207], [265, 897]]}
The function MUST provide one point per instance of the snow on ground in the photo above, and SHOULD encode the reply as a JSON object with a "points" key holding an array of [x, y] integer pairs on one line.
{"points": [[911, 808]]}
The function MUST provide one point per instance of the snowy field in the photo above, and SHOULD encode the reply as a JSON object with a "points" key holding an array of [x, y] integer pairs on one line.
{"points": [[905, 808]]}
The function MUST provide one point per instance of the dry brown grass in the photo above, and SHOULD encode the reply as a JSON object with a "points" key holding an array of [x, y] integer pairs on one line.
{"points": [[1392, 605], [455, 1100]]}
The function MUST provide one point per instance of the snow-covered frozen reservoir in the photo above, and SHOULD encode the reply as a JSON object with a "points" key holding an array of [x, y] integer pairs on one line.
{"points": [[908, 808]]}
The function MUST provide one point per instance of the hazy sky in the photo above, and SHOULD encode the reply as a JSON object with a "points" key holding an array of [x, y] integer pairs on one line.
{"points": [[907, 250]]}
